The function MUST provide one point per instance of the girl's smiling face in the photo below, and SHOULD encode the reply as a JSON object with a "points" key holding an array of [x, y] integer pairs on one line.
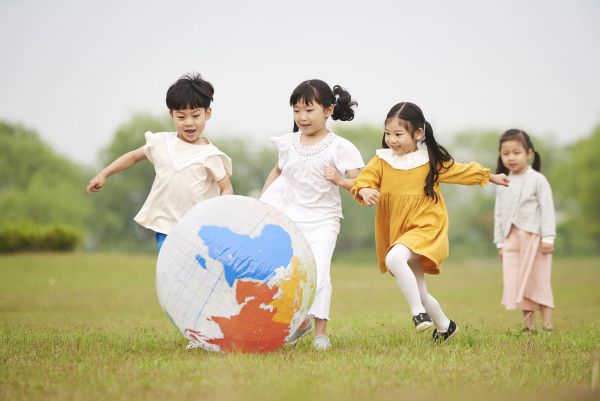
{"points": [[190, 123], [399, 139], [514, 156], [310, 118]]}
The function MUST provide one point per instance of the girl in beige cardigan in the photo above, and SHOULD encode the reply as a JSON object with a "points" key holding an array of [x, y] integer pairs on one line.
{"points": [[524, 231]]}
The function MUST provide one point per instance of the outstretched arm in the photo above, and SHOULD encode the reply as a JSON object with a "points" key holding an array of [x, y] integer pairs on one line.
{"points": [[122, 163]]}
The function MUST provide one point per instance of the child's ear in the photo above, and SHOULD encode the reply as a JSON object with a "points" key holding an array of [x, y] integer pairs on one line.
{"points": [[329, 111], [529, 153], [207, 113], [419, 134]]}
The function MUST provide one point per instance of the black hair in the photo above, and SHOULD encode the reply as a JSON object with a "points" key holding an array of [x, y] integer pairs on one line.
{"points": [[522, 137], [317, 91], [190, 91], [412, 118]]}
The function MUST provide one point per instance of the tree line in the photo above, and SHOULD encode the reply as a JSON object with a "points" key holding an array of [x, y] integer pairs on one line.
{"points": [[41, 187]]}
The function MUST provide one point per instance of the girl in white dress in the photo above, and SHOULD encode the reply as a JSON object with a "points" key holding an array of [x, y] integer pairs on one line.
{"points": [[304, 184]]}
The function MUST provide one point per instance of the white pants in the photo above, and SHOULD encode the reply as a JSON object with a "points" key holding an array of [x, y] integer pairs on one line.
{"points": [[321, 236], [407, 268]]}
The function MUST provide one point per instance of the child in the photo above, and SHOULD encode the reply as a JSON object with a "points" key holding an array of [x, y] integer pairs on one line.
{"points": [[188, 167], [313, 163], [524, 231], [411, 221]]}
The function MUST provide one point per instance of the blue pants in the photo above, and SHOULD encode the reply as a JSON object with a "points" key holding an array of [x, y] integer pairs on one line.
{"points": [[160, 238]]}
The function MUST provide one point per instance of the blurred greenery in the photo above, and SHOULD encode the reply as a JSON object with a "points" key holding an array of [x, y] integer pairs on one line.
{"points": [[40, 186]]}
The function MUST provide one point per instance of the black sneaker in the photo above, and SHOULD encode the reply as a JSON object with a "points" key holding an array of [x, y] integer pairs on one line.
{"points": [[422, 322], [443, 337]]}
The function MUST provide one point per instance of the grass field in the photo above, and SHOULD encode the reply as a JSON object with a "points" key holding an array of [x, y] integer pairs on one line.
{"points": [[89, 327]]}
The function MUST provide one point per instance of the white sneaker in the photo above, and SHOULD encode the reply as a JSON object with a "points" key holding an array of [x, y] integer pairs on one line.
{"points": [[192, 345], [322, 343]]}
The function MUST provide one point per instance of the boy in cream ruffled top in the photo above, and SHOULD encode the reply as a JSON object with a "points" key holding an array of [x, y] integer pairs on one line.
{"points": [[189, 169]]}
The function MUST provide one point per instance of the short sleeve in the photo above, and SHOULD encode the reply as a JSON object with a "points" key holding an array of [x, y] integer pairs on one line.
{"points": [[218, 166], [151, 143], [348, 156], [284, 145]]}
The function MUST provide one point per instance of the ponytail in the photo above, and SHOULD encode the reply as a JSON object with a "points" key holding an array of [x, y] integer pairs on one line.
{"points": [[537, 161], [439, 159], [343, 105]]}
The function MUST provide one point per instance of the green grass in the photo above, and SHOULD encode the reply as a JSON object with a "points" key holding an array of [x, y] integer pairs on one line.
{"points": [[89, 327]]}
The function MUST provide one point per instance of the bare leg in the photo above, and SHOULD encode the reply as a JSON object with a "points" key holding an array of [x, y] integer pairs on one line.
{"points": [[529, 319], [320, 327], [546, 312]]}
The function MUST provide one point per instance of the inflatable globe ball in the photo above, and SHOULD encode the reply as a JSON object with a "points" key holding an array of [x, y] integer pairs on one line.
{"points": [[236, 275]]}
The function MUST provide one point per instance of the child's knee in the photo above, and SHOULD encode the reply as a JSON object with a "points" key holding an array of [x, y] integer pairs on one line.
{"points": [[396, 256]]}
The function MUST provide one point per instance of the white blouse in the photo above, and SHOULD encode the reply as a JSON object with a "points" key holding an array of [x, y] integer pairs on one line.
{"points": [[186, 174], [301, 191]]}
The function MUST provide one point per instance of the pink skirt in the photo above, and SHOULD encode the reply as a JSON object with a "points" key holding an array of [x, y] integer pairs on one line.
{"points": [[526, 272]]}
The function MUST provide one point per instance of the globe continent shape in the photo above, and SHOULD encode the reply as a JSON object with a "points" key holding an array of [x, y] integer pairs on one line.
{"points": [[236, 275]]}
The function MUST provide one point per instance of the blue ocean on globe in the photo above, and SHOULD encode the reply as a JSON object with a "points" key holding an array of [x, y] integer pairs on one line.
{"points": [[246, 257]]}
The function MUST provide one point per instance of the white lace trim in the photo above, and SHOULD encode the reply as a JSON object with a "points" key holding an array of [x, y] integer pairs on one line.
{"points": [[312, 150], [407, 161]]}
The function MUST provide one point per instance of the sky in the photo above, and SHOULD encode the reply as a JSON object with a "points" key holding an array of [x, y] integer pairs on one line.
{"points": [[75, 71]]}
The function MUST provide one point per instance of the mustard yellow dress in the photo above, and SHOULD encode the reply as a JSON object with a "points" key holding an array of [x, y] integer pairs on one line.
{"points": [[405, 215]]}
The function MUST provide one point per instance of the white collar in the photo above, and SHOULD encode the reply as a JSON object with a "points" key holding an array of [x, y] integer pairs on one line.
{"points": [[407, 161]]}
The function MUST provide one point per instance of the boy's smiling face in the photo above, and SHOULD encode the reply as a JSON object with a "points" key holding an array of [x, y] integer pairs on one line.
{"points": [[190, 123]]}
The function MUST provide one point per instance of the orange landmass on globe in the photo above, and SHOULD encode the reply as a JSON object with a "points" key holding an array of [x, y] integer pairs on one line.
{"points": [[253, 329]]}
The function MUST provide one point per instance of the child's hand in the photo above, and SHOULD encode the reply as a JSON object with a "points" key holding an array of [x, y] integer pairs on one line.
{"points": [[369, 195], [547, 248], [499, 179], [332, 175], [96, 184]]}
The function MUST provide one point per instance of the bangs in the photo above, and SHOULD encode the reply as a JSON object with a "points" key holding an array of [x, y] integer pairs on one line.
{"points": [[407, 125], [304, 94], [188, 99], [516, 135]]}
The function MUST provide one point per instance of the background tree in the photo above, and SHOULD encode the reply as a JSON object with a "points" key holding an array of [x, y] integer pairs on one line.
{"points": [[576, 183], [36, 184]]}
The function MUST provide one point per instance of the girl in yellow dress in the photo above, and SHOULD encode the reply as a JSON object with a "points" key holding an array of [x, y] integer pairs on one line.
{"points": [[411, 221]]}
